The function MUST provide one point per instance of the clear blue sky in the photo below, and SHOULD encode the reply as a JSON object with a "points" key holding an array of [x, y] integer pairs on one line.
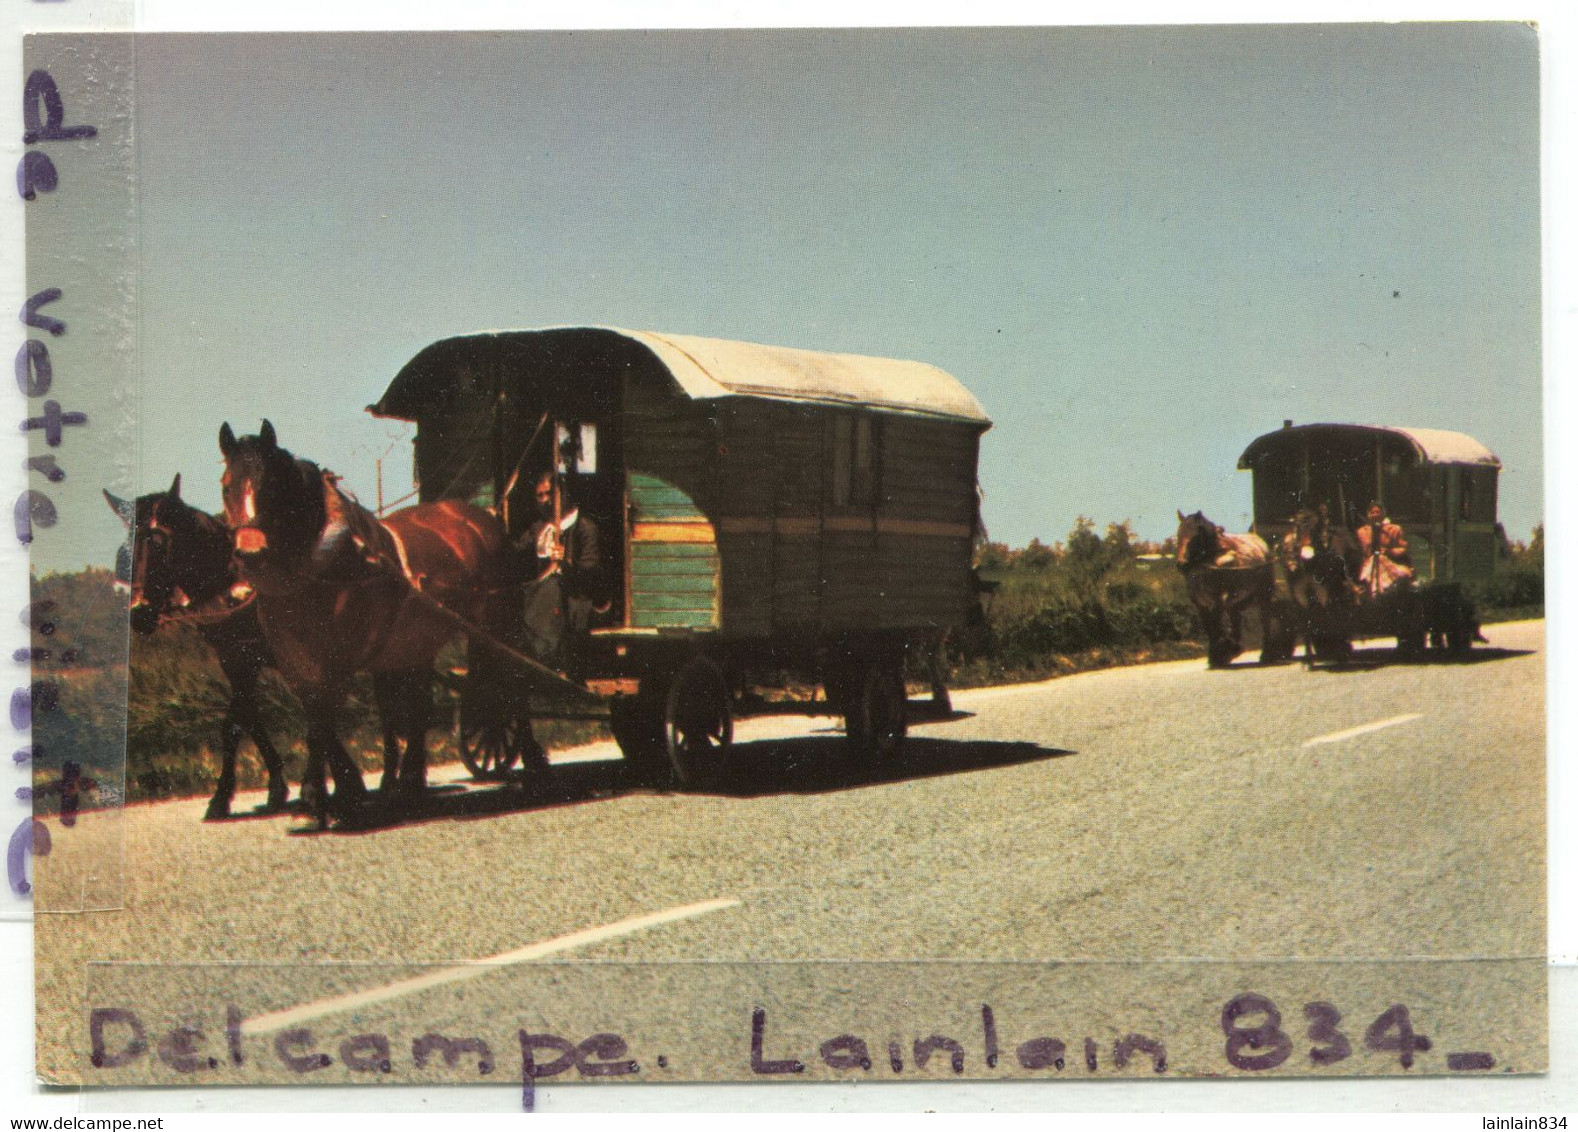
{"points": [[1139, 247]]}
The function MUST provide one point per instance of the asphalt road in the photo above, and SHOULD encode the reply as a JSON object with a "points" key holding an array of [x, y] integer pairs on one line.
{"points": [[1163, 813]]}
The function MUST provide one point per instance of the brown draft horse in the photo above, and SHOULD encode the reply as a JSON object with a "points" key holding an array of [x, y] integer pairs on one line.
{"points": [[341, 592], [1321, 559], [181, 569], [1226, 574]]}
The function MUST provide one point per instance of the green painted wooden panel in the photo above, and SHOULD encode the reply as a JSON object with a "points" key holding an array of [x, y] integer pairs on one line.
{"points": [[650, 496], [661, 582], [699, 604], [660, 619], [673, 584], [655, 551], [689, 553], [668, 567]]}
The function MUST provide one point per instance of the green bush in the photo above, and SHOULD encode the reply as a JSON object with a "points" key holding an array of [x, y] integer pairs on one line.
{"points": [[1149, 621], [1513, 589]]}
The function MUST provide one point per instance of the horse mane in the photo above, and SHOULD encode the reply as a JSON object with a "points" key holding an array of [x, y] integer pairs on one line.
{"points": [[311, 507], [211, 568], [348, 524]]}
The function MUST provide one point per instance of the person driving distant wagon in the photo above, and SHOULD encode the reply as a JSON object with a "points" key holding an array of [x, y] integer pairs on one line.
{"points": [[559, 557], [1386, 563]]}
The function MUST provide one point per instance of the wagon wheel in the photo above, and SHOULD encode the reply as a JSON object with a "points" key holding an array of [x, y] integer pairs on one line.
{"points": [[492, 734], [698, 723], [876, 711]]}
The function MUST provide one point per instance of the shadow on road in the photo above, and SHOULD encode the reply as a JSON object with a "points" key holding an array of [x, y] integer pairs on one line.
{"points": [[1368, 660], [1383, 656], [819, 764], [806, 765]]}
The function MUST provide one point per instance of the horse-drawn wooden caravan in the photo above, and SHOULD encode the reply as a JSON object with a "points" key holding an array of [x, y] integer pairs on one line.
{"points": [[760, 507], [1438, 486]]}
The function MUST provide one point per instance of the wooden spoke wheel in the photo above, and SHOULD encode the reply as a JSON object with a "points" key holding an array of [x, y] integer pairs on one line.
{"points": [[698, 722], [494, 731], [876, 710]]}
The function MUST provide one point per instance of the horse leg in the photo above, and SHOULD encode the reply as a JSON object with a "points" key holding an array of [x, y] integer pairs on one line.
{"points": [[1207, 616], [350, 791], [244, 711], [386, 690], [1219, 649], [278, 791], [314, 790], [230, 731], [418, 689], [1270, 626], [225, 789], [1304, 611], [324, 749]]}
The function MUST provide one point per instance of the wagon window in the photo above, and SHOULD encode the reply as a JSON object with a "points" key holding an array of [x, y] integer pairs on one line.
{"points": [[576, 447], [855, 441]]}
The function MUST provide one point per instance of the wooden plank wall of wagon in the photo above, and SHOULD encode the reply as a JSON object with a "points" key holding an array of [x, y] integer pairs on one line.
{"points": [[793, 483], [928, 486], [910, 568], [928, 470], [673, 563], [1476, 552], [769, 489], [790, 566], [793, 565], [743, 492]]}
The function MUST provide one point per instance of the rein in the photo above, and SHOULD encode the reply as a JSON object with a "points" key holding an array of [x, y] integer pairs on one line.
{"points": [[203, 615]]}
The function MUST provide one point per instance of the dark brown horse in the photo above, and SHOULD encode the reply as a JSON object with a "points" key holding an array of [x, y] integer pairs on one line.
{"points": [[1321, 559], [180, 568], [1226, 574], [340, 592]]}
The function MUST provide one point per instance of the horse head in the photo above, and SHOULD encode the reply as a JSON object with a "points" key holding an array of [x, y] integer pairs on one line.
{"points": [[1198, 540], [273, 506], [1318, 556], [164, 542], [1309, 538]]}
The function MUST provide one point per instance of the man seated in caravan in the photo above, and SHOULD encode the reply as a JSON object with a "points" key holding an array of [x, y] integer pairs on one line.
{"points": [[1386, 563], [561, 562]]}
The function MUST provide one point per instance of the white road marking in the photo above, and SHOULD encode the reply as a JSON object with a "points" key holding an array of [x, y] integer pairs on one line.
{"points": [[295, 1015], [1364, 729]]}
